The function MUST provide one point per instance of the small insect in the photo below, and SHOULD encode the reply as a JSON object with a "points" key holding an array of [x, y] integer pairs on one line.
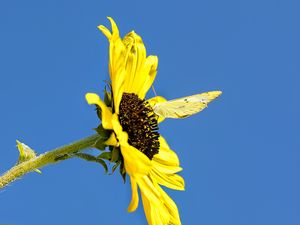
{"points": [[186, 106]]}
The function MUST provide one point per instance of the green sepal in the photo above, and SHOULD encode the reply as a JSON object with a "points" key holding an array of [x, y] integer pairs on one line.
{"points": [[102, 132], [107, 98], [98, 111], [26, 153], [105, 155], [92, 158], [115, 167], [115, 154], [104, 136], [100, 145], [123, 172]]}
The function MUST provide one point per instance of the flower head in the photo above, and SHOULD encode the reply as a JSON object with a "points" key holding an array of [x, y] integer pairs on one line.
{"points": [[148, 160]]}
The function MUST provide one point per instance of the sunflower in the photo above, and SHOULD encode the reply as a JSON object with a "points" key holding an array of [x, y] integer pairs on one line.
{"points": [[147, 158]]}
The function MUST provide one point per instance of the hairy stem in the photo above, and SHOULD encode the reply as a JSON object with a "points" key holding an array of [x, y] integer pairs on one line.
{"points": [[47, 158]]}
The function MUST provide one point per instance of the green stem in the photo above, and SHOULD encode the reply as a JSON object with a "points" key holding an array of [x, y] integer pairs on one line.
{"points": [[47, 158]]}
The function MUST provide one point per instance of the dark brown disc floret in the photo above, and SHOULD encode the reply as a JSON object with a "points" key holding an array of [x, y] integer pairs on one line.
{"points": [[139, 121]]}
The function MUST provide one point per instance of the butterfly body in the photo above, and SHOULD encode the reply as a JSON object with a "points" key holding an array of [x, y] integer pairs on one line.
{"points": [[186, 106]]}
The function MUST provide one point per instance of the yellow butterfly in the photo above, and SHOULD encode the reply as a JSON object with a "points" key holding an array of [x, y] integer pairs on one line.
{"points": [[186, 106]]}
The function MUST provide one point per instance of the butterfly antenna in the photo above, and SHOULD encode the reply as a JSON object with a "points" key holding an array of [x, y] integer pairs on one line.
{"points": [[153, 89]]}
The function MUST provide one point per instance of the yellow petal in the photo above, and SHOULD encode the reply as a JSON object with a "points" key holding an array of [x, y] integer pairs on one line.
{"points": [[130, 71], [172, 181], [157, 99], [112, 140], [114, 27], [118, 79], [153, 101], [169, 169], [105, 31], [117, 61], [155, 210], [149, 70], [160, 214], [135, 77], [106, 113], [140, 71], [147, 188], [117, 127], [165, 155], [135, 196], [136, 163], [171, 206], [158, 206], [115, 31], [131, 61], [147, 210]]}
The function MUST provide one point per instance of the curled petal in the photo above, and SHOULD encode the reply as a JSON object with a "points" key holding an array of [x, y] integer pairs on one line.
{"points": [[117, 52], [105, 31], [106, 113], [135, 78], [114, 28], [130, 70]]}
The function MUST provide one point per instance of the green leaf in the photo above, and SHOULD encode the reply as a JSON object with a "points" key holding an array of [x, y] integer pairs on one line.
{"points": [[92, 158], [26, 153]]}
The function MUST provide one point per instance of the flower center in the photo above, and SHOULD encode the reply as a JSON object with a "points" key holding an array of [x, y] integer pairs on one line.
{"points": [[140, 123]]}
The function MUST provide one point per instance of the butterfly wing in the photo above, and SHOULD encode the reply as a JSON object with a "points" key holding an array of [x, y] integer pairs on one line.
{"points": [[186, 106]]}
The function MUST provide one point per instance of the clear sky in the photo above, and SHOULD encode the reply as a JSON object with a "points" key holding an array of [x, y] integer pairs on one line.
{"points": [[241, 155]]}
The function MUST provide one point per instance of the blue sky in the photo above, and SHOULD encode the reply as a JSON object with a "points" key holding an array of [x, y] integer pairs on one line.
{"points": [[241, 156]]}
